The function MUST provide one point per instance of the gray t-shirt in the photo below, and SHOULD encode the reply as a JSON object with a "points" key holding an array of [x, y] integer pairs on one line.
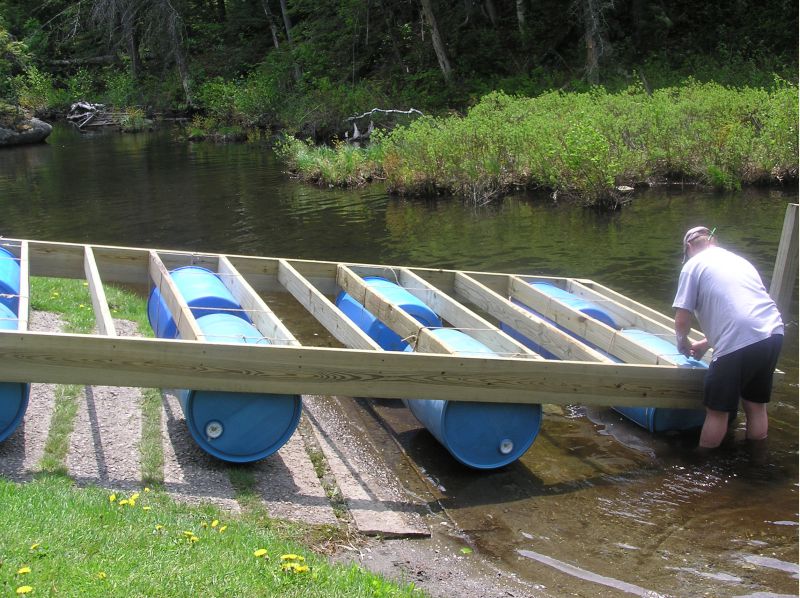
{"points": [[729, 300]]}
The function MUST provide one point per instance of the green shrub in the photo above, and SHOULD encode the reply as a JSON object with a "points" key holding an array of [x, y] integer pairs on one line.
{"points": [[581, 144]]}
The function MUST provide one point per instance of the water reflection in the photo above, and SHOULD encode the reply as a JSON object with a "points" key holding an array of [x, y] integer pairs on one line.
{"points": [[596, 501]]}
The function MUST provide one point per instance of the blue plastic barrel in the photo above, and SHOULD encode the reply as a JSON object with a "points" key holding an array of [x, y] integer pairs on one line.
{"points": [[238, 427], [377, 330], [479, 435], [203, 291], [9, 280], [655, 419], [658, 419], [585, 307], [13, 395]]}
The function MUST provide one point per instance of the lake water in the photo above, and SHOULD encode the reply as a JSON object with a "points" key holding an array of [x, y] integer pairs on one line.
{"points": [[597, 506]]}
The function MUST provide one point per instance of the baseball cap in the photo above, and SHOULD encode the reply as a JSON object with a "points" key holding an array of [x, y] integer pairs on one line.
{"points": [[691, 235]]}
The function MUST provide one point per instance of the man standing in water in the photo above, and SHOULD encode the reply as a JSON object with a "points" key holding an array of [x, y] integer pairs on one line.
{"points": [[741, 323]]}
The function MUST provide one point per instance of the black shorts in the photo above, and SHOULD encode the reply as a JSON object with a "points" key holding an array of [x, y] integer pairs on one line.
{"points": [[746, 373]]}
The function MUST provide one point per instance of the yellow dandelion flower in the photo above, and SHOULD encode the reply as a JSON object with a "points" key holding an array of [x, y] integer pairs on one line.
{"points": [[24, 590], [101, 575], [260, 552], [23, 570], [81, 306], [295, 568], [193, 539], [35, 546], [135, 496], [123, 502], [86, 284], [188, 534], [112, 498], [146, 489], [223, 528], [146, 508], [159, 527], [292, 557], [215, 523]]}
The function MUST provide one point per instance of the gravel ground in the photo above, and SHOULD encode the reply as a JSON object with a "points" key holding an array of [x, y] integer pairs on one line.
{"points": [[21, 452]]}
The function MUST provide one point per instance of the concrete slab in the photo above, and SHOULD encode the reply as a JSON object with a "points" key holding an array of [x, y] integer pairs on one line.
{"points": [[377, 502]]}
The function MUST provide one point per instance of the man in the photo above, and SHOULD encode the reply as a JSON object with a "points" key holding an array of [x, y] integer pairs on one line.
{"points": [[741, 323]]}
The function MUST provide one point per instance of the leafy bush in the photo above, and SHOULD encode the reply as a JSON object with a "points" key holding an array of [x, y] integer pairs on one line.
{"points": [[121, 89], [584, 145]]}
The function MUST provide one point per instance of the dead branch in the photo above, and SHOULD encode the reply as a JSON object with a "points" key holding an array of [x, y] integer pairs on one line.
{"points": [[374, 110]]}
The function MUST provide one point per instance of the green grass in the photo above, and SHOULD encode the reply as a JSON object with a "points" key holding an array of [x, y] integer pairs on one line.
{"points": [[80, 543], [70, 298]]}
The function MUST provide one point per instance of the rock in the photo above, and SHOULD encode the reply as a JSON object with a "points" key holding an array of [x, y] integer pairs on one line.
{"points": [[28, 131], [625, 189]]}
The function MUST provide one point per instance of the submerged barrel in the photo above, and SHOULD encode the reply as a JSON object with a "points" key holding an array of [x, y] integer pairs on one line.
{"points": [[479, 435], [655, 419], [204, 293], [13, 395], [9, 280], [387, 338]]}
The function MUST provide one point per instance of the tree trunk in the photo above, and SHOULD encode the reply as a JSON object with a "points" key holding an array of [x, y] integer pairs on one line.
{"points": [[491, 11], [521, 16], [591, 15], [132, 40], [287, 23], [271, 21], [436, 39]]}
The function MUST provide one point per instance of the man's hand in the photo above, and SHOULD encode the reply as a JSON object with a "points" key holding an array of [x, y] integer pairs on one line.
{"points": [[698, 349]]}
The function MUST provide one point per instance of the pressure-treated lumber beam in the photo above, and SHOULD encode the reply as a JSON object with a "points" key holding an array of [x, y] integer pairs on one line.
{"points": [[561, 344], [24, 307], [593, 331], [184, 319], [268, 324], [102, 315], [323, 310], [784, 274], [159, 363], [390, 314], [453, 312]]}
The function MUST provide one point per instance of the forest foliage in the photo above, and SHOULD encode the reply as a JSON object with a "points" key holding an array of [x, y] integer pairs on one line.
{"points": [[492, 73], [307, 65]]}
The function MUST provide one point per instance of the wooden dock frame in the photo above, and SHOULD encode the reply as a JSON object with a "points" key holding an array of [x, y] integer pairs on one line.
{"points": [[516, 375]]}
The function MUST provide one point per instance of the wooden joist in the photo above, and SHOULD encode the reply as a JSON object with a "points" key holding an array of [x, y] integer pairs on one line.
{"points": [[184, 319], [95, 359], [264, 319], [105, 324]]}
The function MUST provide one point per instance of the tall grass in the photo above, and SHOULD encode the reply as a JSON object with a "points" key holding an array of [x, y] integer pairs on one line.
{"points": [[580, 145]]}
